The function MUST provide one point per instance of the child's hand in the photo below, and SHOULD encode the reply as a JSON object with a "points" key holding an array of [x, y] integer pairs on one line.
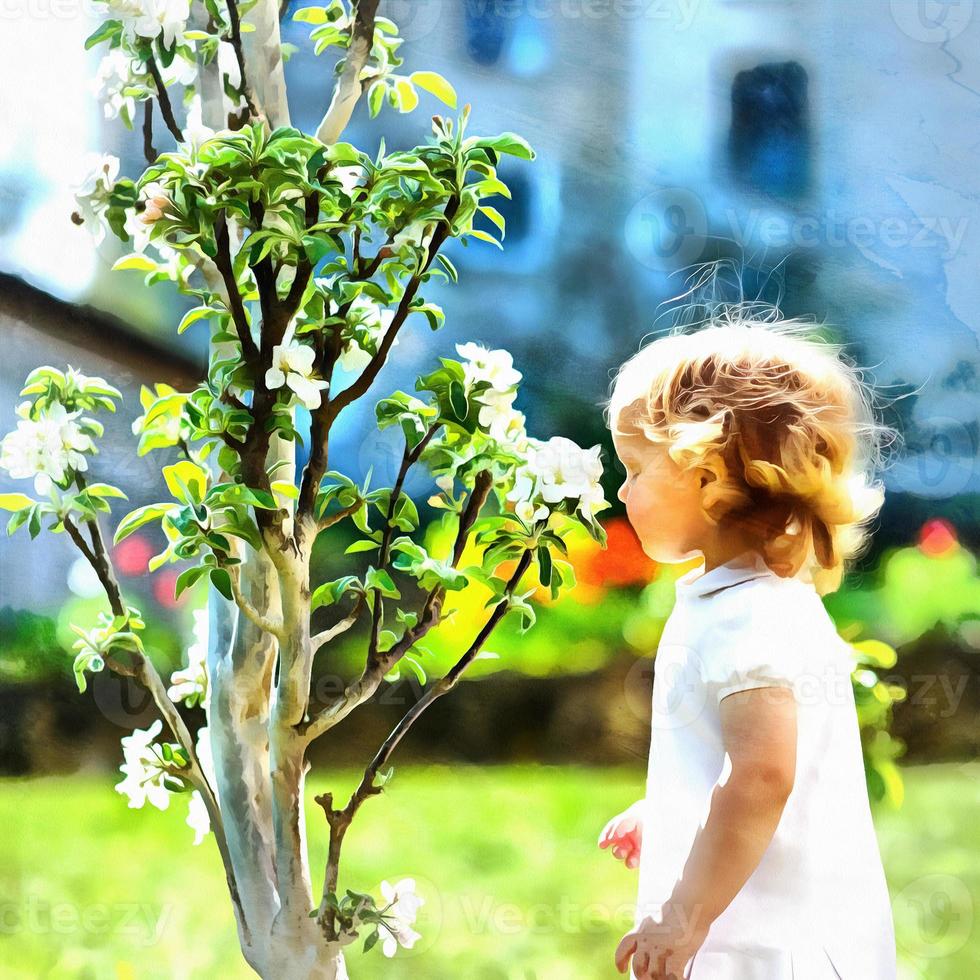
{"points": [[624, 834], [660, 950]]}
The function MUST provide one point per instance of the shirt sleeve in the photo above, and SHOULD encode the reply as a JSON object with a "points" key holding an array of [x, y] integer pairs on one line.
{"points": [[753, 640]]}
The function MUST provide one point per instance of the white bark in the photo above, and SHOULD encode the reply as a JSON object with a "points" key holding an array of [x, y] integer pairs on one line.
{"points": [[263, 58]]}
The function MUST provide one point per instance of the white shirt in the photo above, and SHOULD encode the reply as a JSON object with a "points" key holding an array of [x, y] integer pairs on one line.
{"points": [[817, 905]]}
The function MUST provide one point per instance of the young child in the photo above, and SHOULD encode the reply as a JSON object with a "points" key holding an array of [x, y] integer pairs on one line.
{"points": [[752, 446]]}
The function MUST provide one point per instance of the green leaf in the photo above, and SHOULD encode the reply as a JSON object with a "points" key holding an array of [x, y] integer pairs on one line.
{"points": [[221, 580], [19, 519], [14, 501], [330, 592], [495, 216], [361, 546], [457, 399], [187, 481], [187, 578], [109, 30], [434, 83], [311, 15], [198, 313], [137, 518], [484, 236], [544, 566], [508, 143], [136, 260], [448, 266], [105, 490], [378, 578], [408, 98]]}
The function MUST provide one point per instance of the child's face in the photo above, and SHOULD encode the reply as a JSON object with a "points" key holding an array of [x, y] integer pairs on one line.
{"points": [[662, 501]]}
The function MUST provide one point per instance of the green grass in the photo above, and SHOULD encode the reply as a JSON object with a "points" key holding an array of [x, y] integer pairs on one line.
{"points": [[505, 857]]}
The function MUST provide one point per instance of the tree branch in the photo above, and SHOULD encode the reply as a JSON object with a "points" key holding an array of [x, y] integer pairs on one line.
{"points": [[409, 458], [166, 109], [325, 636], [273, 626], [236, 43], [144, 670], [149, 150], [340, 820], [349, 87], [223, 261], [369, 681], [364, 381]]}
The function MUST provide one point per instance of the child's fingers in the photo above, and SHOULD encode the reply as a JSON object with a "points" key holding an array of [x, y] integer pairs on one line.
{"points": [[607, 833], [626, 948]]}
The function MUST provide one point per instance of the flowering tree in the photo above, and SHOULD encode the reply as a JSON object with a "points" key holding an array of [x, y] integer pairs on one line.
{"points": [[303, 254]]}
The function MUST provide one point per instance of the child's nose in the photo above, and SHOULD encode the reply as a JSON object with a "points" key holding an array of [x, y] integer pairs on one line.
{"points": [[622, 493]]}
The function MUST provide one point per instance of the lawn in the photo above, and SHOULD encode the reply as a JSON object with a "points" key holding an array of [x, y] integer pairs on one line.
{"points": [[505, 857]]}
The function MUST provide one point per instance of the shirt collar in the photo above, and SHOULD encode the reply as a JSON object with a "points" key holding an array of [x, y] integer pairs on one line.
{"points": [[698, 583]]}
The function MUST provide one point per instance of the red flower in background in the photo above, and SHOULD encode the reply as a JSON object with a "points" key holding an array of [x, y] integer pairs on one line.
{"points": [[937, 538], [622, 562], [131, 556]]}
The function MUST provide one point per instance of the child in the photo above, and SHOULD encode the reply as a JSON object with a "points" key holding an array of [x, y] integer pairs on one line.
{"points": [[751, 445]]}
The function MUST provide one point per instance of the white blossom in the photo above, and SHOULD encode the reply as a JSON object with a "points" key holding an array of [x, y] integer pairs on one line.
{"points": [[197, 817], [116, 72], [150, 19], [292, 366], [203, 748], [93, 190], [46, 449], [143, 769], [557, 470], [499, 417], [399, 916], [494, 366], [192, 680]]}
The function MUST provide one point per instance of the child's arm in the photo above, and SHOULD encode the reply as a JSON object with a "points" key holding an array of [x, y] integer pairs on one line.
{"points": [[759, 731]]}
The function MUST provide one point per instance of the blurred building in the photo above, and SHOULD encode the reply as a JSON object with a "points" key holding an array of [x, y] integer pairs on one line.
{"points": [[827, 148]]}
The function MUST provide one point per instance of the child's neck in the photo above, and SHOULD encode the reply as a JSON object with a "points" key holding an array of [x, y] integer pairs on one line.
{"points": [[720, 552]]}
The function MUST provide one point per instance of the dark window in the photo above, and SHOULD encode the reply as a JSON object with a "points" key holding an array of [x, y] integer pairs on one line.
{"points": [[769, 142], [487, 28]]}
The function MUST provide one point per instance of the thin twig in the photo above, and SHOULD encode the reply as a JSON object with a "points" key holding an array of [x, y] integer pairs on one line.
{"points": [[223, 261], [340, 820], [144, 671], [149, 150], [409, 458], [364, 381], [273, 626], [166, 109], [325, 636], [236, 43], [364, 687]]}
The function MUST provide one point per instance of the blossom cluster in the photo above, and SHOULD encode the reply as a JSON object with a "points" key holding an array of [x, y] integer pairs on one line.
{"points": [[552, 471], [150, 774], [151, 19], [190, 684], [49, 449]]}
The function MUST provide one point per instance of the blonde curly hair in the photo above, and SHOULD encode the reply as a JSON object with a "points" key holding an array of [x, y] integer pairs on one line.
{"points": [[784, 421]]}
